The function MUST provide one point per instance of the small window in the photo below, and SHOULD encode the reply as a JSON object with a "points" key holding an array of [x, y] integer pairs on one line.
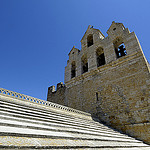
{"points": [[98, 98], [73, 70], [100, 57], [90, 40]]}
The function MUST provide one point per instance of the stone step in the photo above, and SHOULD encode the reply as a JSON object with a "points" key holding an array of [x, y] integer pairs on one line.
{"points": [[68, 143], [39, 110], [27, 126], [50, 119], [5, 122], [27, 132], [62, 126], [110, 131], [52, 114], [44, 105], [61, 119], [37, 116], [91, 122], [76, 148]]}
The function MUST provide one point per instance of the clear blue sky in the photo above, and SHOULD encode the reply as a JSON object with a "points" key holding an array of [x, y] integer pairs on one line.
{"points": [[37, 35]]}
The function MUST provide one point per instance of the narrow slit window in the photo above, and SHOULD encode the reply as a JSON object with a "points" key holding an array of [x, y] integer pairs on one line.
{"points": [[96, 96], [73, 70], [90, 40]]}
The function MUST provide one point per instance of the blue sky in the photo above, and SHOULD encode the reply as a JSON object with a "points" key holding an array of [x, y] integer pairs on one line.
{"points": [[37, 35]]}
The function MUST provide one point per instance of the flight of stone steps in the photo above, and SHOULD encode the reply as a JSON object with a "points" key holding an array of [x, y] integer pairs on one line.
{"points": [[30, 123]]}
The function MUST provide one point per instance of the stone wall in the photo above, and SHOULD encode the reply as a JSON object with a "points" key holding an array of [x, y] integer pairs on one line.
{"points": [[117, 92], [58, 95], [140, 130]]}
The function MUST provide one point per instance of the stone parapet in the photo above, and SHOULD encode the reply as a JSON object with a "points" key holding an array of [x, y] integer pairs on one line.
{"points": [[24, 98]]}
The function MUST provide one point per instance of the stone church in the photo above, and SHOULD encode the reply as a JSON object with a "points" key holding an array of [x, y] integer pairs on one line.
{"points": [[110, 79], [103, 105]]}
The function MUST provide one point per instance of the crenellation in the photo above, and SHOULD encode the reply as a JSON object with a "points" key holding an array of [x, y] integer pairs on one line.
{"points": [[51, 89], [60, 85], [58, 95]]}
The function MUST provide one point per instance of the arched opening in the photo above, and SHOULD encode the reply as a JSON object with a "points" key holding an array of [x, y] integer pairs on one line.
{"points": [[90, 40], [100, 57], [73, 69], [119, 48], [84, 63]]}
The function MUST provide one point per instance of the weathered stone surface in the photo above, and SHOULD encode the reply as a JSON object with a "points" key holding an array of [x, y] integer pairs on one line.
{"points": [[117, 92], [30, 123]]}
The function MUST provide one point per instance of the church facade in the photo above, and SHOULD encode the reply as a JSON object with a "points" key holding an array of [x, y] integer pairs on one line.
{"points": [[110, 79]]}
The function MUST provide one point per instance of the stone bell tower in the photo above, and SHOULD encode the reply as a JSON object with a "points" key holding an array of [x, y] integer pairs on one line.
{"points": [[110, 78]]}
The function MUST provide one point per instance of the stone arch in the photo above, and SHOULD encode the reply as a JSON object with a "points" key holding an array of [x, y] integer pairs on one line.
{"points": [[100, 56], [73, 69], [90, 40], [119, 47], [84, 64]]}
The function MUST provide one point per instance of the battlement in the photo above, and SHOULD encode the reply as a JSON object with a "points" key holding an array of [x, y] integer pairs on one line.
{"points": [[52, 89], [57, 95]]}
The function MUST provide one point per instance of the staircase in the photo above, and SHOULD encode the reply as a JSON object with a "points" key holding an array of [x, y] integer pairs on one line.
{"points": [[30, 123]]}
